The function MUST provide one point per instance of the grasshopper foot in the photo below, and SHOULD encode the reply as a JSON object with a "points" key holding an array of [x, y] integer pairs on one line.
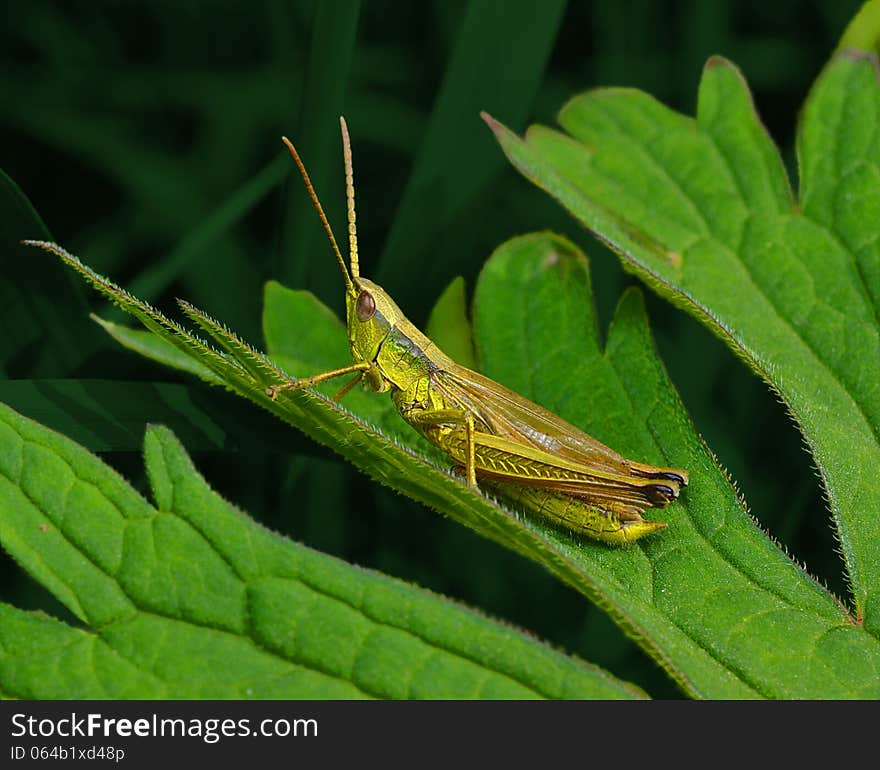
{"points": [[273, 390], [460, 472]]}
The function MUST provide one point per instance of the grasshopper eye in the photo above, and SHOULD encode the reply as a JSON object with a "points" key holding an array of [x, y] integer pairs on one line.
{"points": [[366, 306]]}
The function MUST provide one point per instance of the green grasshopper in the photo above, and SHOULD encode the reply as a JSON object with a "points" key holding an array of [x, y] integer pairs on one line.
{"points": [[493, 434]]}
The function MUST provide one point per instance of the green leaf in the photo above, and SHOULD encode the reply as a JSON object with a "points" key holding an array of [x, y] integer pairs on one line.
{"points": [[710, 586], [174, 592], [150, 346], [701, 209], [711, 598]]}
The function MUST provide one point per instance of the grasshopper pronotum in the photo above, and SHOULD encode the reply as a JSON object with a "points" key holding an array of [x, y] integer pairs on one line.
{"points": [[495, 436]]}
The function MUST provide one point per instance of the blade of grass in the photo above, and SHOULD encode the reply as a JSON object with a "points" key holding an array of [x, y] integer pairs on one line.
{"points": [[499, 57], [153, 280], [334, 30]]}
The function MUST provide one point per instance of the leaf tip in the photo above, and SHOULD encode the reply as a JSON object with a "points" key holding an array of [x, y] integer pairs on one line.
{"points": [[159, 437], [499, 129], [716, 60], [490, 121], [64, 255], [52, 248]]}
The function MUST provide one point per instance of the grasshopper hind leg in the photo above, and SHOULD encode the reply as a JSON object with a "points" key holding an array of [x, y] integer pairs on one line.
{"points": [[432, 419], [661, 495]]}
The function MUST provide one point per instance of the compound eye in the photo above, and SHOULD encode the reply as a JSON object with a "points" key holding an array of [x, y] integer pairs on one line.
{"points": [[365, 307]]}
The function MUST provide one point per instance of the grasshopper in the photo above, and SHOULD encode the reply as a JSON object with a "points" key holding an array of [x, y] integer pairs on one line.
{"points": [[495, 436]]}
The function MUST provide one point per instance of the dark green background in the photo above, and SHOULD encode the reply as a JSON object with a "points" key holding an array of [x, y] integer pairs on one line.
{"points": [[146, 136]]}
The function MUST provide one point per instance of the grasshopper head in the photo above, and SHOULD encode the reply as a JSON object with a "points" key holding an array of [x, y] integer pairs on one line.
{"points": [[371, 314]]}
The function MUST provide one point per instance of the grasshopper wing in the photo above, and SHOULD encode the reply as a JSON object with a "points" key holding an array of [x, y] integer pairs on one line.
{"points": [[503, 413]]}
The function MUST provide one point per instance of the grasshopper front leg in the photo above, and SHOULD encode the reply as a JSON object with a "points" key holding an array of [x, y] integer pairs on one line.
{"points": [[316, 379], [435, 417]]}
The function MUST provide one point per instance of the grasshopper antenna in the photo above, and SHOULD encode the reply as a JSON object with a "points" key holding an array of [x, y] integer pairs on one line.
{"points": [[349, 193], [317, 204]]}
